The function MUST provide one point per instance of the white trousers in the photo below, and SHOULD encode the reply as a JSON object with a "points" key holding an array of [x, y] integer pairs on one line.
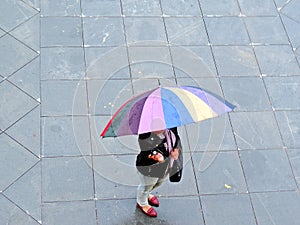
{"points": [[147, 184]]}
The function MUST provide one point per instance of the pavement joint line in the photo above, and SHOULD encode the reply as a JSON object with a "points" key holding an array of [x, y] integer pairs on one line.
{"points": [[20, 208], [15, 140]]}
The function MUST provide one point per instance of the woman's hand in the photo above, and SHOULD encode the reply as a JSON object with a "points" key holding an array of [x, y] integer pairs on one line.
{"points": [[157, 157], [175, 153]]}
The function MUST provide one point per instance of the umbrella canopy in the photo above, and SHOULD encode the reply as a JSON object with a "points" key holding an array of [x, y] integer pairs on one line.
{"points": [[165, 107]]}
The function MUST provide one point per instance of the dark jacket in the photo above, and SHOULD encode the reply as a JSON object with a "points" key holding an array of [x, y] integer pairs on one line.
{"points": [[150, 142]]}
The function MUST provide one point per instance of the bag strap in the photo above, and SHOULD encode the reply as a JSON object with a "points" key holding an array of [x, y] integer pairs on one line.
{"points": [[169, 140], [171, 134], [169, 144]]}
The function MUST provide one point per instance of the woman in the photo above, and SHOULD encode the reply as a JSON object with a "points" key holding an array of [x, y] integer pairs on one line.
{"points": [[153, 163]]}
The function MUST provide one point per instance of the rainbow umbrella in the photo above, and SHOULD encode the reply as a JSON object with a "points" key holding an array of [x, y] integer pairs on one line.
{"points": [[170, 106]]}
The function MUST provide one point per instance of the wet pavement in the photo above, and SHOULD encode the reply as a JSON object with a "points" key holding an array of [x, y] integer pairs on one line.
{"points": [[66, 66]]}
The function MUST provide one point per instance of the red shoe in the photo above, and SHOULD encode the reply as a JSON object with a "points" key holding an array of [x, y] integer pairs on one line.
{"points": [[153, 201], [150, 212]]}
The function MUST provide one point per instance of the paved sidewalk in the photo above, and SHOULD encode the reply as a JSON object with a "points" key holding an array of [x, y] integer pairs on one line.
{"points": [[65, 67]]}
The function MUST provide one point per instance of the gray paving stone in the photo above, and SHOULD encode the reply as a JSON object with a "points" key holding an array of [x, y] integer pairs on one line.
{"points": [[109, 146], [277, 207], [186, 31], [60, 8], [187, 185], [64, 213], [105, 100], [27, 131], [68, 33], [297, 52], [208, 83], [28, 78], [120, 145], [125, 212], [217, 8], [107, 63], [63, 98], [266, 30], [141, 8], [75, 180], [179, 205], [103, 31], [12, 214], [115, 176], [246, 93], [62, 63], [284, 92], [290, 9], [15, 13], [14, 55], [235, 61], [22, 104], [26, 192], [122, 73], [102, 146], [60, 138], [280, 3], [293, 30], [267, 171], [145, 84], [105, 146], [289, 125], [276, 60], [256, 130], [2, 32], [258, 8], [29, 32], [227, 209], [146, 70], [33, 3], [157, 54], [140, 29], [180, 8], [226, 31], [196, 61], [211, 135], [15, 161], [294, 157], [224, 169], [167, 81], [155, 64], [101, 8]]}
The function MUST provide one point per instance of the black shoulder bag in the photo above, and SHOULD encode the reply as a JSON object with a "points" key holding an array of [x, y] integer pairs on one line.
{"points": [[175, 172]]}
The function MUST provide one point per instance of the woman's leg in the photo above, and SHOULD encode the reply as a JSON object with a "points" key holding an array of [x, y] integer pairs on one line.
{"points": [[159, 182], [146, 186]]}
